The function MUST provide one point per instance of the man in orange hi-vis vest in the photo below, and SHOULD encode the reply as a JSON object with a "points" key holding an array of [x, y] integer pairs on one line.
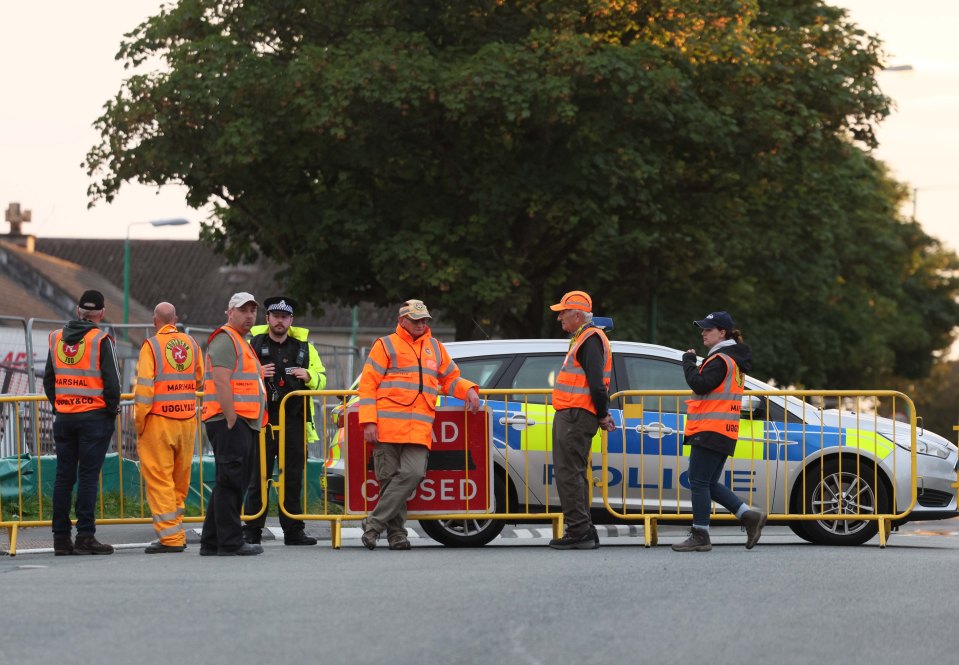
{"points": [[581, 400], [169, 374], [234, 412], [82, 382], [402, 377]]}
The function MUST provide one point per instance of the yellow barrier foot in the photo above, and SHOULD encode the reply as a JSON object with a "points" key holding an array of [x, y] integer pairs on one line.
{"points": [[651, 532], [336, 535], [558, 527], [12, 535], [885, 528]]}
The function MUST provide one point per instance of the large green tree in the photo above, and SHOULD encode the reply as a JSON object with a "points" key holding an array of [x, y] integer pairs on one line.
{"points": [[670, 156]]}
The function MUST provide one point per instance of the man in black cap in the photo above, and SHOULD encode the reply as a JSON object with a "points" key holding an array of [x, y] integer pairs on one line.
{"points": [[82, 382], [290, 363]]}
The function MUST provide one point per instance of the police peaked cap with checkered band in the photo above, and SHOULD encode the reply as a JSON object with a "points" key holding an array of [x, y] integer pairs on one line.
{"points": [[280, 304]]}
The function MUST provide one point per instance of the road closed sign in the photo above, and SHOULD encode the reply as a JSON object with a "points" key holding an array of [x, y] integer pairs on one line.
{"points": [[458, 476]]}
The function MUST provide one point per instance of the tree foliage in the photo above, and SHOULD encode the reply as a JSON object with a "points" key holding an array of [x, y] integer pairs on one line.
{"points": [[672, 157]]}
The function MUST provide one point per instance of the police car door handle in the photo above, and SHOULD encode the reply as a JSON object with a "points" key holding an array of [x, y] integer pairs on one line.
{"points": [[518, 421], [655, 430]]}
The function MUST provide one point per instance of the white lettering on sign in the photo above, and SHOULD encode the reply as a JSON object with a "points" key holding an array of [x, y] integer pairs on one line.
{"points": [[448, 489], [449, 432], [376, 489]]}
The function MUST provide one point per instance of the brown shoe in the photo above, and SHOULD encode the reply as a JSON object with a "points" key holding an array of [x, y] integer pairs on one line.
{"points": [[369, 536], [698, 541], [399, 543], [753, 521]]}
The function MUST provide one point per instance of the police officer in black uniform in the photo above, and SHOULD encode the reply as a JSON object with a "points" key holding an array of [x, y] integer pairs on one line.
{"points": [[289, 363]]}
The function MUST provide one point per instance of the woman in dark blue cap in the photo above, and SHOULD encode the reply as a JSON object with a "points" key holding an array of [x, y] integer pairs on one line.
{"points": [[712, 428]]}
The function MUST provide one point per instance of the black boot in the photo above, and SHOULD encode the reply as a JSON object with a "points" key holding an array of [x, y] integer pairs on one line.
{"points": [[62, 545], [298, 538], [88, 544]]}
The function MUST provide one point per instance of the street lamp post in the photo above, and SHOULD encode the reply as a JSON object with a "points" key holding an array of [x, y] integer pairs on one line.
{"points": [[179, 221]]}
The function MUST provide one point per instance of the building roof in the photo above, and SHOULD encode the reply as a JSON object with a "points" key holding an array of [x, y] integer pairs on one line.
{"points": [[197, 280], [60, 284], [18, 301]]}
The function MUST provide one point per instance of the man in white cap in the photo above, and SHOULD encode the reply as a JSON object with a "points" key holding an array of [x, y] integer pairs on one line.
{"points": [[234, 411]]}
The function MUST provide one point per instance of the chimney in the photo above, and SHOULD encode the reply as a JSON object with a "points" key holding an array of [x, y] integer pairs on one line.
{"points": [[17, 217]]}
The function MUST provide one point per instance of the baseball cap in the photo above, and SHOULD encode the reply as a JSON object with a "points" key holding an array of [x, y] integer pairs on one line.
{"points": [[240, 299], [574, 300], [415, 309], [92, 300], [716, 320], [280, 304]]}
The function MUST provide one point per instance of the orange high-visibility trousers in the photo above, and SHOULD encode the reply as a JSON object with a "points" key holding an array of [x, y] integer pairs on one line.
{"points": [[166, 455]]}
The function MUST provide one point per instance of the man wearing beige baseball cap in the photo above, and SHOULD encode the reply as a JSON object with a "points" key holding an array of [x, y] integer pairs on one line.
{"points": [[403, 374], [234, 412]]}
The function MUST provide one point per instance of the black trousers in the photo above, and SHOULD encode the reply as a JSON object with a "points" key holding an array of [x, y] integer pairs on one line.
{"points": [[233, 452], [294, 478], [81, 447]]}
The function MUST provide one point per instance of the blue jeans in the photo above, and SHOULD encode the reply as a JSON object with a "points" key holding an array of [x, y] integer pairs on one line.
{"points": [[81, 446], [705, 470]]}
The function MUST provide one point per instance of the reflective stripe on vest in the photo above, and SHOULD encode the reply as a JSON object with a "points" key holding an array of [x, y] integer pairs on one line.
{"points": [[249, 393], [572, 389], [76, 369], [402, 385], [174, 382], [718, 411], [408, 377]]}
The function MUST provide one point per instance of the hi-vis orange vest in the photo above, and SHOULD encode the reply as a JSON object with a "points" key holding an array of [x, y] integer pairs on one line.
{"points": [[76, 367], [572, 390], [719, 410], [171, 392], [249, 393], [401, 380]]}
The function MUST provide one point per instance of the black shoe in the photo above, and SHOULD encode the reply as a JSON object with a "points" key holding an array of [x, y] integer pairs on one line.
{"points": [[753, 521], [157, 547], [246, 549], [88, 544], [253, 537], [584, 541], [698, 541], [207, 551], [592, 530], [62, 545], [298, 538]]}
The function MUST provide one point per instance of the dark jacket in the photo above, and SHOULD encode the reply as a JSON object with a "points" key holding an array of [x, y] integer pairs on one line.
{"points": [[707, 381], [73, 332]]}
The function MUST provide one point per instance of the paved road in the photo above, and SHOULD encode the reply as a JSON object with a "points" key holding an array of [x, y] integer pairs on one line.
{"points": [[511, 602]]}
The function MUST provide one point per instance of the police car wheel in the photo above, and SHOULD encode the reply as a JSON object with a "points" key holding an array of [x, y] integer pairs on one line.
{"points": [[847, 493], [798, 528], [468, 533]]}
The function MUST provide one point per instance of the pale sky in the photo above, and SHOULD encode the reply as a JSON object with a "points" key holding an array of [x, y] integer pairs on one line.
{"points": [[58, 70]]}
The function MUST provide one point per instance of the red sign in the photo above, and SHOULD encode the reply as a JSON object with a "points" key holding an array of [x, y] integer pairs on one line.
{"points": [[458, 476]]}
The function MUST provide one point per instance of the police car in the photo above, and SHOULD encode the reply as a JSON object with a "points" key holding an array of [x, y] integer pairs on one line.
{"points": [[791, 457]]}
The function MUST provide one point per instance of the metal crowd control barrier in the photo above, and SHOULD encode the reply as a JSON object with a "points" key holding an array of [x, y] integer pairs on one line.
{"points": [[795, 459], [780, 464], [519, 504], [31, 467]]}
